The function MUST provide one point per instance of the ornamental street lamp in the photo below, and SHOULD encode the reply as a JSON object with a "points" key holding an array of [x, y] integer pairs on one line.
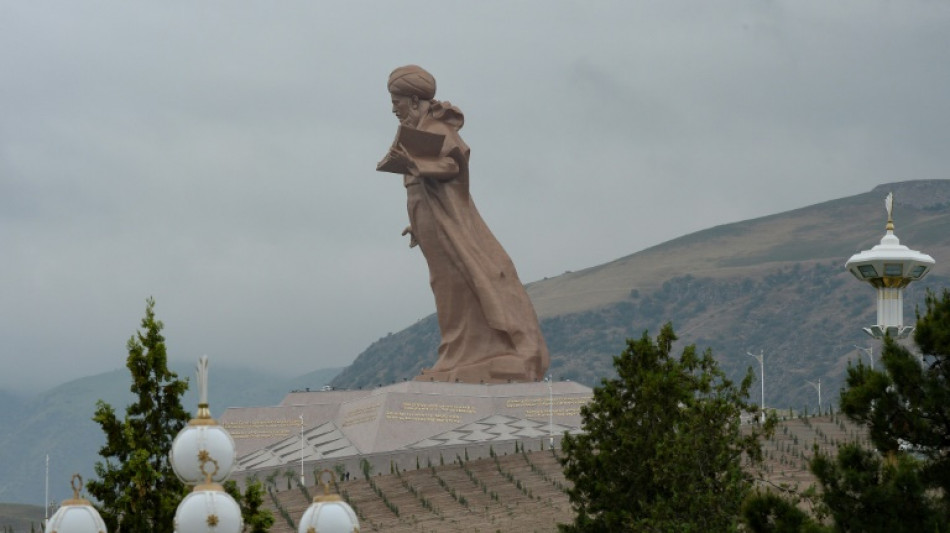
{"points": [[208, 509], [76, 515], [761, 358], [869, 352], [202, 436], [328, 513], [550, 380], [302, 479], [889, 267], [817, 388]]}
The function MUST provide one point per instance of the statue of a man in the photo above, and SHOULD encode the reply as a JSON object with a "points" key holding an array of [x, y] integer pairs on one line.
{"points": [[489, 328]]}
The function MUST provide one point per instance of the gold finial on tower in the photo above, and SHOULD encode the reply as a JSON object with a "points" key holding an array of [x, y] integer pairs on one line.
{"points": [[889, 205], [204, 414], [327, 496]]}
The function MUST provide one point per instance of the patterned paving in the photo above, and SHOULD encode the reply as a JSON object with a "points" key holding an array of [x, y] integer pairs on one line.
{"points": [[493, 428], [323, 441]]}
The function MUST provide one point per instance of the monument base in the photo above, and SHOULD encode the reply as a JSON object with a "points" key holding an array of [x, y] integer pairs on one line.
{"points": [[500, 369], [401, 418]]}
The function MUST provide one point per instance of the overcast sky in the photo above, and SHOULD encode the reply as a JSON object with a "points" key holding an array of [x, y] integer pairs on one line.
{"points": [[220, 155]]}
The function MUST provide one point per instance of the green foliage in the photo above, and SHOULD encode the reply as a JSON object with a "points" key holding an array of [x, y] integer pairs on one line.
{"points": [[906, 406], [662, 447], [865, 493], [366, 468], [136, 488], [770, 513], [256, 518], [340, 470]]}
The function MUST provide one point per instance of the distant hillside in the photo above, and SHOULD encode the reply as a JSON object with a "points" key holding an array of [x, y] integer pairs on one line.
{"points": [[59, 422], [21, 518], [775, 284]]}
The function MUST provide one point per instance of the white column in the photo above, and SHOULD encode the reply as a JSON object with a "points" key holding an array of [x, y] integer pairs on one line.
{"points": [[890, 307]]}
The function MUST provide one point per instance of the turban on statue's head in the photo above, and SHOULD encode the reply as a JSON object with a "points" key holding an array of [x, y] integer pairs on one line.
{"points": [[412, 80]]}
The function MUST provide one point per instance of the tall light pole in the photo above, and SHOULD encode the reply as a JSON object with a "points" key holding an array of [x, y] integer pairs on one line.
{"points": [[301, 452], [203, 455], [761, 358], [551, 410], [869, 352], [46, 503], [817, 388]]}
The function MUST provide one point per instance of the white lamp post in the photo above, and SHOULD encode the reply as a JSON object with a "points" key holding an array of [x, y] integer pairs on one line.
{"points": [[550, 381], [202, 436], [761, 358], [76, 515], [208, 509], [46, 500], [328, 513], [869, 352], [889, 267], [302, 480], [817, 388]]}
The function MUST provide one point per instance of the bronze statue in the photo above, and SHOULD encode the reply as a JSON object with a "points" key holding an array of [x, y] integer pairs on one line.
{"points": [[489, 328]]}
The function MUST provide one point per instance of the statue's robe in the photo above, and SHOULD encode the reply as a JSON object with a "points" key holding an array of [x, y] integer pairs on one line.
{"points": [[490, 331]]}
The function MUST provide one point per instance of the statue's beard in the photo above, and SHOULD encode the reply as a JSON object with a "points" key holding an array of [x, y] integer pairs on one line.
{"points": [[411, 120]]}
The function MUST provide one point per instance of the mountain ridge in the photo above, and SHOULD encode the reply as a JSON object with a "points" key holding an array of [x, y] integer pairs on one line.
{"points": [[58, 421], [775, 283]]}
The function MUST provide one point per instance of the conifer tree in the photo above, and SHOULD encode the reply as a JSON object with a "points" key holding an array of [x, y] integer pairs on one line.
{"points": [[662, 448], [906, 407], [256, 518], [137, 490], [904, 484]]}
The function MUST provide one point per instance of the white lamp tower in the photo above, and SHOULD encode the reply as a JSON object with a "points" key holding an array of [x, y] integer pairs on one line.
{"points": [[889, 267], [203, 455], [76, 515]]}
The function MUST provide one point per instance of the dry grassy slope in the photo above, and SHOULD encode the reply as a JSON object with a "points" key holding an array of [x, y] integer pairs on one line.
{"points": [[775, 283], [829, 231], [20, 517]]}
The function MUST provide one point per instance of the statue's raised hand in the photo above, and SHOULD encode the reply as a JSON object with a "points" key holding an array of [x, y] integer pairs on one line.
{"points": [[412, 237]]}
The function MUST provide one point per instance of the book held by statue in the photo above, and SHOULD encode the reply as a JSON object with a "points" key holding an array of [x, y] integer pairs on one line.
{"points": [[416, 143]]}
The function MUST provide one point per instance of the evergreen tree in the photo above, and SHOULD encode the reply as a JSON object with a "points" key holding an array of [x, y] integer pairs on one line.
{"points": [[906, 407], [256, 518], [662, 448], [767, 512], [902, 485], [866, 493], [136, 489]]}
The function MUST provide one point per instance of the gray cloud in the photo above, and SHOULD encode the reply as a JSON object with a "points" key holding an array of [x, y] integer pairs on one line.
{"points": [[220, 156]]}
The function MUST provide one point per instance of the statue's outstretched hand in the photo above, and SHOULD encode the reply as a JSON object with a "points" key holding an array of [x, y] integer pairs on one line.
{"points": [[412, 237]]}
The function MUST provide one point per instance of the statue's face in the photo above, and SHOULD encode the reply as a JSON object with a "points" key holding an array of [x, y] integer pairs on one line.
{"points": [[405, 108]]}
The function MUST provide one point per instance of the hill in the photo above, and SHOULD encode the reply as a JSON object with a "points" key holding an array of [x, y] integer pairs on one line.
{"points": [[59, 422], [775, 284], [20, 518]]}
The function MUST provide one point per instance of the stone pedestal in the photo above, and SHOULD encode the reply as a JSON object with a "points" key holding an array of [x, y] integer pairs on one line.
{"points": [[413, 415]]}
